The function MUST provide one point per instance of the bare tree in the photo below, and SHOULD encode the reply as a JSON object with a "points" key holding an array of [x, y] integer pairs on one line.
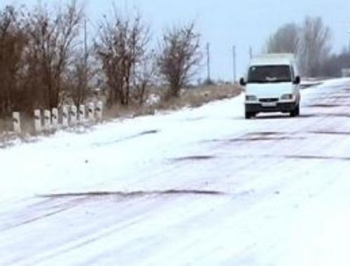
{"points": [[51, 40], [284, 40], [120, 47], [12, 45], [179, 57], [310, 42], [314, 45]]}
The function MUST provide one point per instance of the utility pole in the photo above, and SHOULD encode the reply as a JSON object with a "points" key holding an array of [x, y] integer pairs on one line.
{"points": [[85, 44], [349, 38], [208, 63], [234, 63], [85, 62], [348, 33], [250, 52]]}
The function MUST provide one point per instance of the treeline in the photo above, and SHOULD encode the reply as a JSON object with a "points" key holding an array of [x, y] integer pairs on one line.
{"points": [[311, 42], [44, 58]]}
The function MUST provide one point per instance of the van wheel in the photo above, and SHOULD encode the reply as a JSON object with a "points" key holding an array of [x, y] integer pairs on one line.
{"points": [[296, 111], [249, 115]]}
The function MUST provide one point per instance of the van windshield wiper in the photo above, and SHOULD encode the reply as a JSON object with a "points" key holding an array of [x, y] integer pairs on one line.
{"points": [[257, 81], [269, 81]]}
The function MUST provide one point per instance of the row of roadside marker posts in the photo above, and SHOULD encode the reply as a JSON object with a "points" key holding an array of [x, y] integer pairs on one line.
{"points": [[71, 116]]}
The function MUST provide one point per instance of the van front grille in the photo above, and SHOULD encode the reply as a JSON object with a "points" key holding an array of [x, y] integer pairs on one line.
{"points": [[269, 100]]}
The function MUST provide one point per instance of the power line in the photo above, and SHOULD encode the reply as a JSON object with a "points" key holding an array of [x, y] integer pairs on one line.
{"points": [[85, 43]]}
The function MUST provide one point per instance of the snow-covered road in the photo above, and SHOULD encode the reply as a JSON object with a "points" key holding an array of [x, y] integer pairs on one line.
{"points": [[194, 187]]}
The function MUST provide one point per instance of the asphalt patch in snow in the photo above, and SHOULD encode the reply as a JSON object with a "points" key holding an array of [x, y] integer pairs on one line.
{"points": [[135, 193], [344, 133], [324, 105], [260, 136], [194, 158], [314, 157], [258, 139], [264, 133], [149, 132], [345, 115], [265, 136]]}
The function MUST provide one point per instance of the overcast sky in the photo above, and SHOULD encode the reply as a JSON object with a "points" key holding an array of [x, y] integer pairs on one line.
{"points": [[224, 23]]}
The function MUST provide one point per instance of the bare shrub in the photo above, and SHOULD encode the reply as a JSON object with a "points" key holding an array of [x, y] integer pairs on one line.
{"points": [[179, 57]]}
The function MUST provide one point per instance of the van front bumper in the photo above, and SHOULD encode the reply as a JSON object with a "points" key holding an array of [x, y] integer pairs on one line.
{"points": [[284, 107]]}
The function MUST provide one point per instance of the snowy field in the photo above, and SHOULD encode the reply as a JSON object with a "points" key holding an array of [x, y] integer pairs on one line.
{"points": [[194, 187]]}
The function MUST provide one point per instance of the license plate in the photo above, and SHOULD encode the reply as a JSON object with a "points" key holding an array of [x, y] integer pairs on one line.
{"points": [[273, 104]]}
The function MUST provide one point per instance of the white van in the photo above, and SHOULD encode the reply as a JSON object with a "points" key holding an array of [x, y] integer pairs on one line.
{"points": [[272, 85]]}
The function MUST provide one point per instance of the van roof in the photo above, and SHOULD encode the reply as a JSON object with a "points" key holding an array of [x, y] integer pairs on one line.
{"points": [[273, 59]]}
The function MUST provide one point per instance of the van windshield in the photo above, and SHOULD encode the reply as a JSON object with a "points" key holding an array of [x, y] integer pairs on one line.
{"points": [[269, 74]]}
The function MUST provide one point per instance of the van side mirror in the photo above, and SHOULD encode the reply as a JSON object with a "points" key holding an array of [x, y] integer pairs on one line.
{"points": [[296, 80], [242, 82]]}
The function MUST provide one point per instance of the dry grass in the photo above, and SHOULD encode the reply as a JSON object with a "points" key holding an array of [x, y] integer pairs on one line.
{"points": [[193, 97], [5, 125]]}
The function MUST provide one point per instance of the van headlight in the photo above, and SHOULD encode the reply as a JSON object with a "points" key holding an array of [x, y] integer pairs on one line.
{"points": [[287, 97], [251, 98]]}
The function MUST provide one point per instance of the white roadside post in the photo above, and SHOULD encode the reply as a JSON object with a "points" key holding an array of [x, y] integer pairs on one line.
{"points": [[47, 120], [37, 121], [54, 118], [91, 112], [82, 114], [16, 122], [99, 110], [65, 115], [73, 115]]}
